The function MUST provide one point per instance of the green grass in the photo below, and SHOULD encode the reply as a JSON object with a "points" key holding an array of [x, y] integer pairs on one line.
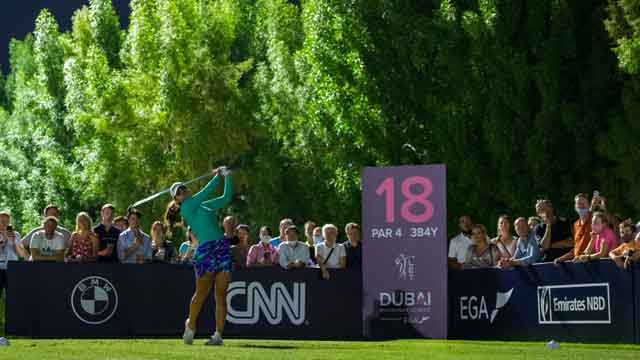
{"points": [[25, 349]]}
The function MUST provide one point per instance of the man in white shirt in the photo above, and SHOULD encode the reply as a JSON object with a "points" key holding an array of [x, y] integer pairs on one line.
{"points": [[48, 244], [50, 210], [293, 254], [329, 254], [459, 245]]}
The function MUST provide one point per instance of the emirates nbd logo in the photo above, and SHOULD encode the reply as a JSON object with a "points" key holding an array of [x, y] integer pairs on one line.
{"points": [[574, 304], [273, 304]]}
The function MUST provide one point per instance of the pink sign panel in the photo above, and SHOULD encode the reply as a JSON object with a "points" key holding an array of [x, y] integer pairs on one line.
{"points": [[404, 251]]}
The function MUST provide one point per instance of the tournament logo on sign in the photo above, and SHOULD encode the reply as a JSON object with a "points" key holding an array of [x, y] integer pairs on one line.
{"points": [[94, 300], [574, 304], [406, 267]]}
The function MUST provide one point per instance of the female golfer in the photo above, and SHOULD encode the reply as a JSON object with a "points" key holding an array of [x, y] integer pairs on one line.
{"points": [[212, 259]]}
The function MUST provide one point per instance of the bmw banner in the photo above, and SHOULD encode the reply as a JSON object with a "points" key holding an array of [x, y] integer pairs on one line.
{"points": [[104, 300]]}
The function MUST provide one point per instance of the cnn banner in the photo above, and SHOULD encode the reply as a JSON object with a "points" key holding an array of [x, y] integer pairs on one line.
{"points": [[404, 251]]}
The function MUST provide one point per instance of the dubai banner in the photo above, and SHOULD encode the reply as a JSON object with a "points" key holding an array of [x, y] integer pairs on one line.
{"points": [[404, 265]]}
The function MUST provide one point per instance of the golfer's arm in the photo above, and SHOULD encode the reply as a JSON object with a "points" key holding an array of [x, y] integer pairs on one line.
{"points": [[223, 200], [206, 191]]}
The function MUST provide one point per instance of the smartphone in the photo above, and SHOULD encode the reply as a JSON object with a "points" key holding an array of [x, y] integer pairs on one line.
{"points": [[9, 229]]}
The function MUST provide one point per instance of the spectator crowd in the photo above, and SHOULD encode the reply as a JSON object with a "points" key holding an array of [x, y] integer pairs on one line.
{"points": [[122, 240], [595, 234]]}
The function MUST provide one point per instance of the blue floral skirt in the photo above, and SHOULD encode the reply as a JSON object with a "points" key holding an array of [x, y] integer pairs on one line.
{"points": [[213, 256]]}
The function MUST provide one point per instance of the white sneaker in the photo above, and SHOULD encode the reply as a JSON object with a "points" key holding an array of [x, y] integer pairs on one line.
{"points": [[4, 341], [214, 340], [188, 335]]}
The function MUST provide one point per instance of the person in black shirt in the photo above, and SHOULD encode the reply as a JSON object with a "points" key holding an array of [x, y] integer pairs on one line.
{"points": [[554, 234], [353, 246], [107, 236]]}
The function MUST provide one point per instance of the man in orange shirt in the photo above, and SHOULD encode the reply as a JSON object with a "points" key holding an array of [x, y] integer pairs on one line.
{"points": [[625, 254], [581, 229]]}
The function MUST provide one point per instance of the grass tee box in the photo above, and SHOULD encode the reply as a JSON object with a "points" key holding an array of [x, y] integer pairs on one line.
{"points": [[282, 350]]}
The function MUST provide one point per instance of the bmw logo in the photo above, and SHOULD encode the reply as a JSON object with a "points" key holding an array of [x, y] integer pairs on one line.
{"points": [[94, 300]]}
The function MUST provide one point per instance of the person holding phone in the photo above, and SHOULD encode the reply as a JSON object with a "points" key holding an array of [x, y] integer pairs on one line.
{"points": [[107, 236], [263, 253], [9, 248]]}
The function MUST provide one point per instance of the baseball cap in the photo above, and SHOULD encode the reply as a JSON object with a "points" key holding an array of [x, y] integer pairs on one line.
{"points": [[173, 190]]}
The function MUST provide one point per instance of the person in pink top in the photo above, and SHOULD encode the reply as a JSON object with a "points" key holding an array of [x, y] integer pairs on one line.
{"points": [[603, 239], [263, 253]]}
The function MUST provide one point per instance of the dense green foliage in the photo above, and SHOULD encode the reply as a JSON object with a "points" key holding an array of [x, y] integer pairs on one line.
{"points": [[291, 349], [521, 100]]}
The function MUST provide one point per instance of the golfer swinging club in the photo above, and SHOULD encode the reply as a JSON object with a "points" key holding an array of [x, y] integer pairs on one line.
{"points": [[212, 259]]}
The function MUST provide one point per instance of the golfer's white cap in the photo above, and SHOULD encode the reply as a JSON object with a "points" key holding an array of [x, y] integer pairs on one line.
{"points": [[174, 188]]}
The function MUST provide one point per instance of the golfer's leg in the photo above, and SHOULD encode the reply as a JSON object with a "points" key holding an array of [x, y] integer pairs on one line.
{"points": [[203, 287], [222, 284]]}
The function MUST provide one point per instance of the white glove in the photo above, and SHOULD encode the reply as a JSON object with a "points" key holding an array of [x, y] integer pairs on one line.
{"points": [[225, 171]]}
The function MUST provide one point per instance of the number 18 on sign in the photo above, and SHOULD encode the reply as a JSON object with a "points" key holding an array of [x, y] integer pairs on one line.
{"points": [[404, 250]]}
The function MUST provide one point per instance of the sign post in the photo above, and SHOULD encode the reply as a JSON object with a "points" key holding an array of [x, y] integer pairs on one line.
{"points": [[405, 251]]}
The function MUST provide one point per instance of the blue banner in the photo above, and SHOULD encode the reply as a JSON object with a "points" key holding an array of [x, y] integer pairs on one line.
{"points": [[591, 302]]}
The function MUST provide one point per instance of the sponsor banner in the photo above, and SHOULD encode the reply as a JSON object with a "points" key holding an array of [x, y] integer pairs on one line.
{"points": [[94, 300], [104, 300], [404, 257], [572, 302], [476, 308], [275, 306]]}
